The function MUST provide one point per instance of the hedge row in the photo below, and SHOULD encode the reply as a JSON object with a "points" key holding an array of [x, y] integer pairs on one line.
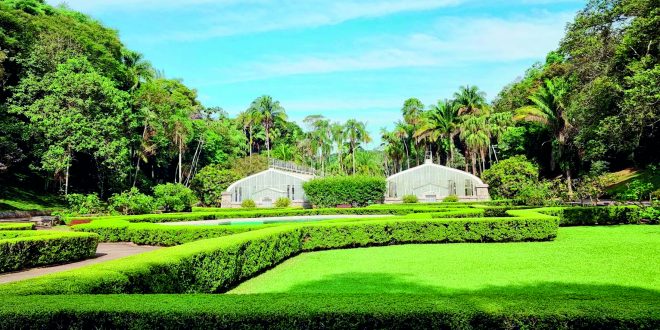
{"points": [[216, 264], [351, 190], [262, 213], [26, 248], [475, 310], [592, 215], [158, 234], [16, 226]]}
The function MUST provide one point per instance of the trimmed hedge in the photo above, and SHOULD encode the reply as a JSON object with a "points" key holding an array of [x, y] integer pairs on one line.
{"points": [[217, 264], [352, 190], [158, 234], [593, 215], [472, 310], [27, 248], [17, 226]]}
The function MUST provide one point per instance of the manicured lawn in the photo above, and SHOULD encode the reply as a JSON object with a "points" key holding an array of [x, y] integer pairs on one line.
{"points": [[583, 262]]}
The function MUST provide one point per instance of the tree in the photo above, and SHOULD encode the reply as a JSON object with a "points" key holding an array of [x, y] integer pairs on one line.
{"points": [[75, 110], [443, 122], [548, 109], [509, 177], [474, 132], [402, 132], [470, 100], [338, 137], [413, 115], [139, 70], [269, 112], [356, 133]]}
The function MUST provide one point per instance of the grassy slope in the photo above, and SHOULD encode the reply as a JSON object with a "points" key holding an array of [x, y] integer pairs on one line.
{"points": [[591, 261], [628, 175], [17, 199]]}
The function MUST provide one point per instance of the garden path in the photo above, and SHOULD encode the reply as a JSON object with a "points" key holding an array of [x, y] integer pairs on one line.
{"points": [[104, 252]]}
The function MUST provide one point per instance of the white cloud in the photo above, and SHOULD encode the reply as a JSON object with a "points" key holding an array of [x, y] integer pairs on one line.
{"points": [[234, 17], [452, 41]]}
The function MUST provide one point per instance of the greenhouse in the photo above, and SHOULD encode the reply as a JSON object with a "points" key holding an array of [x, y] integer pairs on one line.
{"points": [[432, 182], [264, 188]]}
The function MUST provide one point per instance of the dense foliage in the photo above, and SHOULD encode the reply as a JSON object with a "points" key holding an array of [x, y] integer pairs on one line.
{"points": [[211, 181], [508, 178], [132, 202], [350, 190], [174, 197]]}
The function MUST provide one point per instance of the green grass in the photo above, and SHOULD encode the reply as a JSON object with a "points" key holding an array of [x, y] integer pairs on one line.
{"points": [[16, 199], [581, 261]]}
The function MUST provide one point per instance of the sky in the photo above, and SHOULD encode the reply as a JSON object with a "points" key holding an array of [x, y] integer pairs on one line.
{"points": [[340, 58]]}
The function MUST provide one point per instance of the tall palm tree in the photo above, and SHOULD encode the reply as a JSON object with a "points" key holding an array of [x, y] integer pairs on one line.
{"points": [[549, 110], [356, 133], [338, 137], [442, 123], [321, 132], [139, 70], [470, 100], [413, 111], [393, 149], [402, 131], [269, 112], [475, 135]]}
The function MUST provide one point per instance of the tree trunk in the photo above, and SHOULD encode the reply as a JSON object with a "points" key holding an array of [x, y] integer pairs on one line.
{"points": [[353, 153], [407, 153], [473, 160], [66, 175], [569, 182], [180, 159], [137, 169]]}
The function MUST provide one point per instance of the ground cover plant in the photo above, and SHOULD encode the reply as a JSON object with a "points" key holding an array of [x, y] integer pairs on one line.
{"points": [[28, 248]]}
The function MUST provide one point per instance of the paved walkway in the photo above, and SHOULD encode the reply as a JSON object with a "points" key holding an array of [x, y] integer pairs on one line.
{"points": [[297, 218], [104, 252]]}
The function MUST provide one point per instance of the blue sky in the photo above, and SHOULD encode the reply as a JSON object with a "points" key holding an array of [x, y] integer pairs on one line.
{"points": [[340, 58]]}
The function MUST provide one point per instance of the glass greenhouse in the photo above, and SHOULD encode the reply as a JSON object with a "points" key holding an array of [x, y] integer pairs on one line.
{"points": [[265, 187], [432, 182]]}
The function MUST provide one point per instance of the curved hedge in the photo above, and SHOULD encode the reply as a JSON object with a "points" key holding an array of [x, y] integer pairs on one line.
{"points": [[27, 248], [217, 264], [351, 190]]}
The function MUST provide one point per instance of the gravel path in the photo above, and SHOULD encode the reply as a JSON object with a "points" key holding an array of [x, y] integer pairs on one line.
{"points": [[297, 218], [104, 252]]}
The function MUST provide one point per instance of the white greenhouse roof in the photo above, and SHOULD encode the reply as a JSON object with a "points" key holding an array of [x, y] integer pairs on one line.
{"points": [[301, 176], [435, 166]]}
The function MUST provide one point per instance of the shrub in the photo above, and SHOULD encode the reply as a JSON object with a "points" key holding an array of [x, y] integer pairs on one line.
{"points": [[592, 215], [282, 202], [636, 190], [84, 204], [508, 177], [333, 191], [410, 199], [211, 182], [174, 197], [132, 202], [16, 226], [450, 199], [248, 204], [29, 248]]}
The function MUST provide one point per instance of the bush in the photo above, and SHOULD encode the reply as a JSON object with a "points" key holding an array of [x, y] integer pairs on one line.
{"points": [[354, 190], [248, 204], [410, 199], [636, 190], [282, 202], [16, 226], [174, 197], [132, 202], [29, 248], [84, 204], [593, 215], [211, 182], [217, 264], [508, 177], [450, 199]]}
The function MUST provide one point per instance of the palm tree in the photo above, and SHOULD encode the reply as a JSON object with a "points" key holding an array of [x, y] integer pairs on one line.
{"points": [[402, 131], [269, 112], [475, 135], [356, 133], [413, 111], [338, 137], [247, 119], [470, 100], [548, 109], [322, 136], [441, 123], [392, 149], [139, 70]]}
